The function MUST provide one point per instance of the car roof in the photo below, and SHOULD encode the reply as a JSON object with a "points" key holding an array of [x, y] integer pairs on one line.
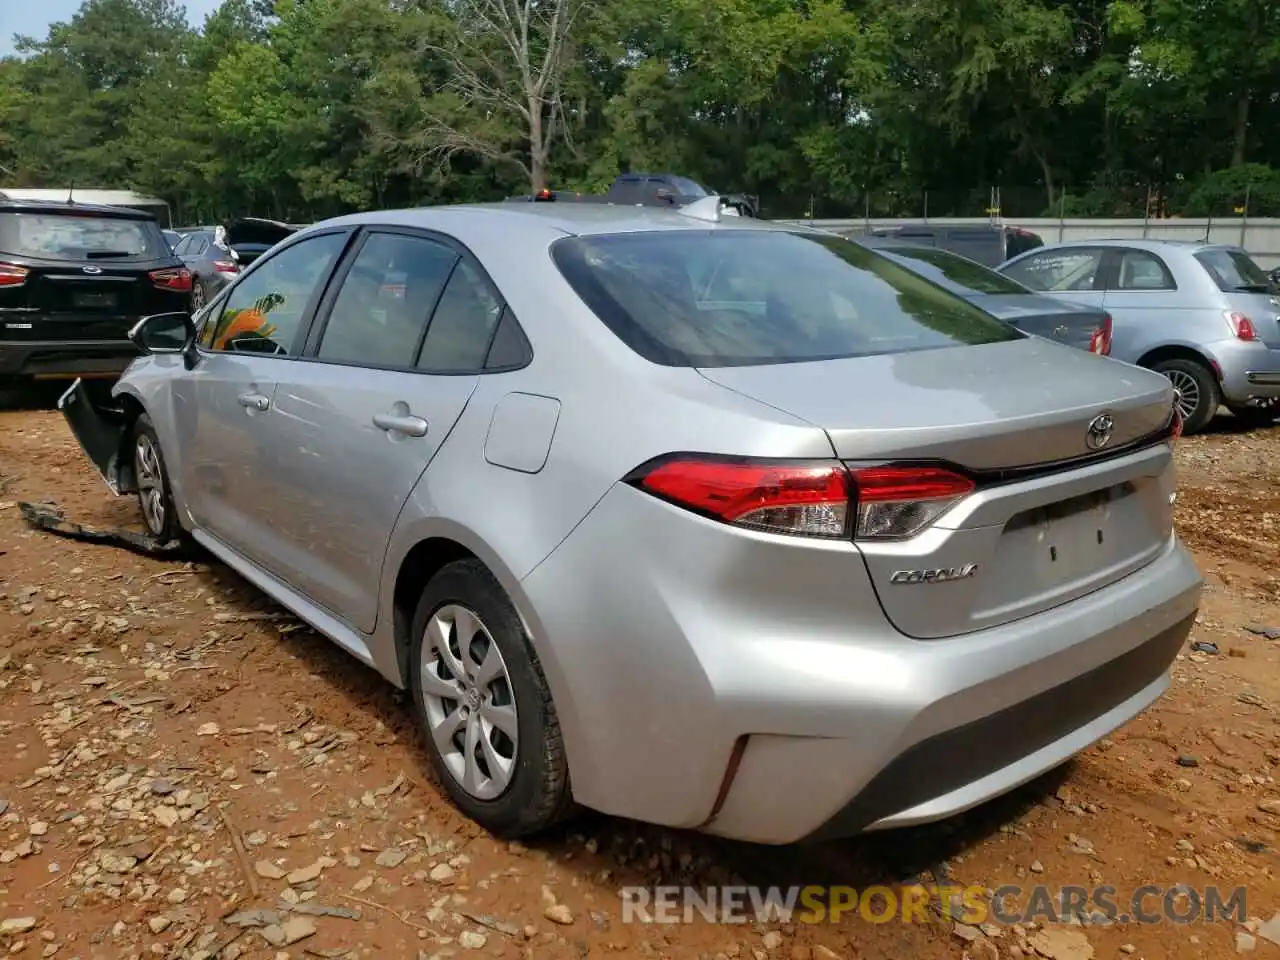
{"points": [[1139, 243], [549, 221], [56, 207]]}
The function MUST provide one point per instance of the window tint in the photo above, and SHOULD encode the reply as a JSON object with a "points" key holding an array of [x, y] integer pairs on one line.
{"points": [[1142, 270], [1234, 271], [463, 324], [71, 236], [381, 311], [510, 348], [265, 309], [732, 297], [1057, 270], [954, 271]]}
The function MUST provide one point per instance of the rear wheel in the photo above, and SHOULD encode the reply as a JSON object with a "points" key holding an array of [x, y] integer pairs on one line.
{"points": [[152, 481], [198, 296], [484, 706], [1198, 392]]}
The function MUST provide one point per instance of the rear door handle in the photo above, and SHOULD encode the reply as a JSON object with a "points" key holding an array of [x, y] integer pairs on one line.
{"points": [[254, 401], [410, 426]]}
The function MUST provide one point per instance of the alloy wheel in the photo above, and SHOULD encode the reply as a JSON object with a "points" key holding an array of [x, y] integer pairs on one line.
{"points": [[150, 477], [466, 692], [197, 296], [1188, 392]]}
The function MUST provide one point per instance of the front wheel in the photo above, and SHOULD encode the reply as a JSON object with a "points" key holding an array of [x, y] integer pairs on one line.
{"points": [[484, 706], [1198, 392], [152, 480]]}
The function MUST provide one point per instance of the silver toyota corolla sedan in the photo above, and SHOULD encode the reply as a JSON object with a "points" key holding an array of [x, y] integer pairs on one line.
{"points": [[724, 525]]}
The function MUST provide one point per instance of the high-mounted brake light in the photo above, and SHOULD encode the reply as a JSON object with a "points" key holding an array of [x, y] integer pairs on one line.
{"points": [[226, 266], [12, 275], [1241, 326], [810, 498], [1100, 342], [176, 278]]}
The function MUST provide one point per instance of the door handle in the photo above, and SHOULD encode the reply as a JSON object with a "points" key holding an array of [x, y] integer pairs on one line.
{"points": [[254, 401], [408, 425]]}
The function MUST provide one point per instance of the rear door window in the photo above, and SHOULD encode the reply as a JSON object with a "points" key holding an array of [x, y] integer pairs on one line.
{"points": [[1234, 271], [463, 324], [1058, 270], [381, 311], [76, 237], [737, 297]]}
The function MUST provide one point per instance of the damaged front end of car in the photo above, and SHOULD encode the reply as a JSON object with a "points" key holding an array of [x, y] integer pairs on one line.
{"points": [[101, 430]]}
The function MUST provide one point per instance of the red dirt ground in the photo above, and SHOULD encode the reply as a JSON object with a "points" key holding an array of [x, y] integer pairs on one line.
{"points": [[150, 712]]}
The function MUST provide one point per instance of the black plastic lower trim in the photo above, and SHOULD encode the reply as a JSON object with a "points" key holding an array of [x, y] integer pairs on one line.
{"points": [[948, 761]]}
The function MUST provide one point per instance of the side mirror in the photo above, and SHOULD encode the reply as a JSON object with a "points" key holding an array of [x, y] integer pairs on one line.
{"points": [[163, 333]]}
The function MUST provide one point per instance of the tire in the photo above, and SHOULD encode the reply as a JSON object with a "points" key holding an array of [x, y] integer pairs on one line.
{"points": [[1201, 395], [155, 499], [199, 297], [530, 791]]}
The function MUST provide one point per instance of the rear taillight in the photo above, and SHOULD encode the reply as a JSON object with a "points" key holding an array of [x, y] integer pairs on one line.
{"points": [[898, 502], [814, 499], [225, 266], [1100, 342], [1241, 326], [808, 499], [12, 275], [176, 278]]}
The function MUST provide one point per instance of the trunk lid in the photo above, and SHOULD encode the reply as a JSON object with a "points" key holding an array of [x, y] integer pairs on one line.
{"points": [[1068, 323], [251, 237], [1038, 532]]}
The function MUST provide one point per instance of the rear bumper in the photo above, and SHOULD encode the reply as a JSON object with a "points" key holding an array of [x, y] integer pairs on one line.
{"points": [[755, 690], [1250, 371], [65, 358]]}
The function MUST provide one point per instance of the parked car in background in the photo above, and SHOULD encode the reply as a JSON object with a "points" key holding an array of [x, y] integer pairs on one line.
{"points": [[172, 237], [665, 513], [74, 279], [214, 261], [1204, 315], [1073, 324], [988, 244]]}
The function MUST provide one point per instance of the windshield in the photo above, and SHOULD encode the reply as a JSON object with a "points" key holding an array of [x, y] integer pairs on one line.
{"points": [[687, 187], [1234, 271], [69, 236], [954, 272], [720, 298]]}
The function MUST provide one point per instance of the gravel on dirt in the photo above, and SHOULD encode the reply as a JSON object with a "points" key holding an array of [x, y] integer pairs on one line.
{"points": [[186, 772]]}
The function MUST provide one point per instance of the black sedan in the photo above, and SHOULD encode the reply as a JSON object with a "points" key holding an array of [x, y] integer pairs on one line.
{"points": [[1073, 324]]}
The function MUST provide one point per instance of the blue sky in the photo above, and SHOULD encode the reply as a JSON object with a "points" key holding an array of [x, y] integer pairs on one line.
{"points": [[33, 18]]}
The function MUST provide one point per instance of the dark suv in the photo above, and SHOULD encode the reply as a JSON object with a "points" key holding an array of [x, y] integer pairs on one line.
{"points": [[74, 278]]}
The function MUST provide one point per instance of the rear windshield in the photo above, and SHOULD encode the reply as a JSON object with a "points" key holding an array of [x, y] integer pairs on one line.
{"points": [[66, 236], [1234, 271], [954, 271], [738, 297]]}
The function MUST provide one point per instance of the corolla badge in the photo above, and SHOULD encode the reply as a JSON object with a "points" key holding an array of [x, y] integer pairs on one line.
{"points": [[934, 574], [93, 270], [1100, 429]]}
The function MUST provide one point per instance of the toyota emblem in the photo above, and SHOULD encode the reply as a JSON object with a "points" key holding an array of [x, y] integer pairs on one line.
{"points": [[1100, 430]]}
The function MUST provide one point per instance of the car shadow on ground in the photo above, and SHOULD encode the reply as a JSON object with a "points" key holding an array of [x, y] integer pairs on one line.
{"points": [[903, 856]]}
